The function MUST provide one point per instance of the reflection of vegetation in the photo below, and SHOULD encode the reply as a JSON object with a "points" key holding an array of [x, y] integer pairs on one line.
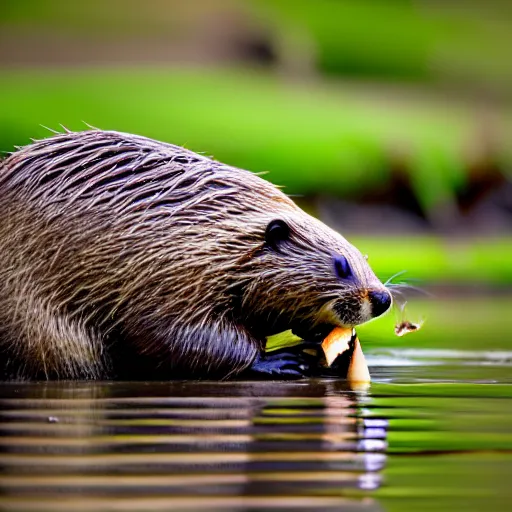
{"points": [[472, 481], [448, 446]]}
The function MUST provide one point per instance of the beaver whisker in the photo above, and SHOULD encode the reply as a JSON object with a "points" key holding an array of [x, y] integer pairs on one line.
{"points": [[389, 281], [405, 287]]}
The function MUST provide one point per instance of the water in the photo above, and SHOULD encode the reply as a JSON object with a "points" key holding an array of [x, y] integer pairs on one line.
{"points": [[434, 432]]}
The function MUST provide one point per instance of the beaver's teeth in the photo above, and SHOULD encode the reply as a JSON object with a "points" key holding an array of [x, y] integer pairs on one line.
{"points": [[358, 369]]}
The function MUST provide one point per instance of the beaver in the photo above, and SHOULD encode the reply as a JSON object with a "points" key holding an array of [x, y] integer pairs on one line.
{"points": [[124, 257]]}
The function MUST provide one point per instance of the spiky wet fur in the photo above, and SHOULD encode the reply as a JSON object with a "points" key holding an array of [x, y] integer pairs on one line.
{"points": [[125, 257]]}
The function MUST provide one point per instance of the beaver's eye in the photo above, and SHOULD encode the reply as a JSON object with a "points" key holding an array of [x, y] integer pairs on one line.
{"points": [[277, 231], [342, 267]]}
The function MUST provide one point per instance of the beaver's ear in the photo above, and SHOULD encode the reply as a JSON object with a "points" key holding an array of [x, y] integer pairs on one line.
{"points": [[277, 232]]}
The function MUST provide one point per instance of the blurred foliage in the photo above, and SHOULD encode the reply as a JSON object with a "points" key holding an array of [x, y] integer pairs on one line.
{"points": [[466, 42], [453, 323], [311, 138], [423, 259], [424, 40]]}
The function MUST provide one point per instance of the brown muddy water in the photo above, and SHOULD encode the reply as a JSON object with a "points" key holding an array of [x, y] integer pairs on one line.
{"points": [[413, 441]]}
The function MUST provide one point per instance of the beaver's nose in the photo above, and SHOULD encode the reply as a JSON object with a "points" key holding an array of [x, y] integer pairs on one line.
{"points": [[380, 301]]}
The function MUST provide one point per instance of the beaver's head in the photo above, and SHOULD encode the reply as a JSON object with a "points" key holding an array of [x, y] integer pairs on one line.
{"points": [[296, 273]]}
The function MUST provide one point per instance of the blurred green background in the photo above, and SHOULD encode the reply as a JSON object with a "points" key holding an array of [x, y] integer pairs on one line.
{"points": [[391, 121]]}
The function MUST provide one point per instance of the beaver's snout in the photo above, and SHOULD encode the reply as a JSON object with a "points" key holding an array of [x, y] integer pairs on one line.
{"points": [[380, 301]]}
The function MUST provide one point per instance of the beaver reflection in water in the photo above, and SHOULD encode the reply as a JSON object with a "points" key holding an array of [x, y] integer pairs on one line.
{"points": [[123, 257]]}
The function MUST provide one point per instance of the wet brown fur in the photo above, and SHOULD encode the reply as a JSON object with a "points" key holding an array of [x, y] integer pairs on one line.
{"points": [[125, 257]]}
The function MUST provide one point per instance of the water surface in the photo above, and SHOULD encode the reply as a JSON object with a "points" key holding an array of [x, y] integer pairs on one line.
{"points": [[434, 431]]}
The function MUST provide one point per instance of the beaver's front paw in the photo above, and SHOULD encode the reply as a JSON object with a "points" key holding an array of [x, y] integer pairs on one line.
{"points": [[288, 363]]}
